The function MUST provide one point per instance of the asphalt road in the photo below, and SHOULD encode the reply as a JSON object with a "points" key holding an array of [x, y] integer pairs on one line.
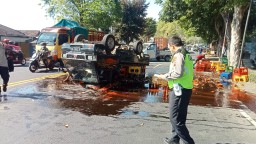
{"points": [[39, 109]]}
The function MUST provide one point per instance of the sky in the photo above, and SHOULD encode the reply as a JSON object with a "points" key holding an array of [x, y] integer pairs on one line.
{"points": [[28, 15]]}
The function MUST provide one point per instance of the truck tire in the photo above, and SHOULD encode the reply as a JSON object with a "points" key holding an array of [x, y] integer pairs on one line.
{"points": [[79, 38], [109, 42], [138, 47], [167, 58]]}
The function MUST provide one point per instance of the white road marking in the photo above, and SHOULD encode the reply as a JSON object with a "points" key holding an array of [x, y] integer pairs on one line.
{"points": [[157, 65], [248, 117]]}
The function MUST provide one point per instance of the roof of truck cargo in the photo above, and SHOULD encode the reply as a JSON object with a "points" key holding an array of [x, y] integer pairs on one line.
{"points": [[54, 29]]}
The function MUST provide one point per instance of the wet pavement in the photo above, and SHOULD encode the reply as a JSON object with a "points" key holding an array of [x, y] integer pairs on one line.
{"points": [[91, 100], [52, 111]]}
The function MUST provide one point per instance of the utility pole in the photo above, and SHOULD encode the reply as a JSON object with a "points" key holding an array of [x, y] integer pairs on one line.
{"points": [[245, 29]]}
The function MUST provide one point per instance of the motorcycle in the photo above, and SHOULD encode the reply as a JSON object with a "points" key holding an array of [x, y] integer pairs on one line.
{"points": [[16, 55], [37, 62]]}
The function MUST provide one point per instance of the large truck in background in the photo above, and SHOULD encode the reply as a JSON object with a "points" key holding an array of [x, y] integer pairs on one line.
{"points": [[161, 42], [65, 31], [154, 52]]}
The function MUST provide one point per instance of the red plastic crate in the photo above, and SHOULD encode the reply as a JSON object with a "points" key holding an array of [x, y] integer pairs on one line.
{"points": [[200, 67], [240, 71]]}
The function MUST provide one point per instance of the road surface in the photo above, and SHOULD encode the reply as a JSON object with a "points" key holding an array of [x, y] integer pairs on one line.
{"points": [[41, 109]]}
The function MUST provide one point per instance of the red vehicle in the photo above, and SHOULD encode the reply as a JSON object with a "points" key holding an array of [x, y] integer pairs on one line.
{"points": [[15, 53]]}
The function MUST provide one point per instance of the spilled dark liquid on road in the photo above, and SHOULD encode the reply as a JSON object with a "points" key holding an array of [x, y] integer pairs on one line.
{"points": [[92, 100]]}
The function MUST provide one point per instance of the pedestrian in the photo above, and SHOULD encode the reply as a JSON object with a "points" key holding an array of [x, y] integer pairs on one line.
{"points": [[180, 83], [198, 58], [4, 71], [200, 50]]}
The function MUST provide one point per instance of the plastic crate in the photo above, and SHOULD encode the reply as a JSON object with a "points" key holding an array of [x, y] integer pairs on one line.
{"points": [[225, 75], [240, 71], [224, 60], [229, 69], [200, 67], [215, 63], [243, 78]]}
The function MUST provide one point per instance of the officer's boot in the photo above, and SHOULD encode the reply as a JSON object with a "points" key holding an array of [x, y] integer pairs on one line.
{"points": [[4, 87]]}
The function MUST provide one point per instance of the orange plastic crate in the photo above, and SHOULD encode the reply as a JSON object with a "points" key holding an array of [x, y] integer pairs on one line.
{"points": [[200, 67]]}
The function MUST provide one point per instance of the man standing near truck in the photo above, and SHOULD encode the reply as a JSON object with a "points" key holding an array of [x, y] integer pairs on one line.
{"points": [[180, 82]]}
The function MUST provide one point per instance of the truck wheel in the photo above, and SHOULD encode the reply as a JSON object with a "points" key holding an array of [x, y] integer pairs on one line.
{"points": [[138, 47], [167, 58], [79, 38], [158, 58], [109, 42]]}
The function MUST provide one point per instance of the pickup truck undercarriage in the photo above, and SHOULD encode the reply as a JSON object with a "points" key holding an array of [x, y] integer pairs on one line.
{"points": [[106, 62]]}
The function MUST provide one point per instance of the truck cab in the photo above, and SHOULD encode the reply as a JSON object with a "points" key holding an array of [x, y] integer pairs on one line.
{"points": [[54, 37], [154, 53], [65, 31]]}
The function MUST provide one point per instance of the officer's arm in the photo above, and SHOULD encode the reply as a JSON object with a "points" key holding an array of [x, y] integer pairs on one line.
{"points": [[176, 67]]}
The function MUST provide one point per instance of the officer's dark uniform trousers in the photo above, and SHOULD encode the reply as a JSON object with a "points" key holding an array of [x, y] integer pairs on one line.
{"points": [[4, 72], [178, 116]]}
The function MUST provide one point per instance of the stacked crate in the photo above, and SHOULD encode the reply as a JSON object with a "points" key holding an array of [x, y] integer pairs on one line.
{"points": [[227, 74], [221, 68], [240, 74], [203, 66], [224, 60], [215, 65]]}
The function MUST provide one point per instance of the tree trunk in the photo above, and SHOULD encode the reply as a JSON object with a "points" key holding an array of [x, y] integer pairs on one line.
{"points": [[235, 44], [227, 32]]}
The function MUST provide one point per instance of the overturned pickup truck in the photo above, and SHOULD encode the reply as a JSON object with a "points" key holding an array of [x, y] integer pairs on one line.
{"points": [[105, 62]]}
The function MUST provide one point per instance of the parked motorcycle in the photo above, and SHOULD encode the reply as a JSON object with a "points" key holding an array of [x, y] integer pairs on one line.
{"points": [[37, 62], [15, 54]]}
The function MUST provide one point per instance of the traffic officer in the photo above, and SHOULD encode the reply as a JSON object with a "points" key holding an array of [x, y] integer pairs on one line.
{"points": [[180, 83], [4, 70]]}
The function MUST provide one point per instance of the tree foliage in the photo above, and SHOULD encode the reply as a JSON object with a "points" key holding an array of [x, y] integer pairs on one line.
{"points": [[150, 29], [133, 21], [93, 14], [208, 18], [167, 29], [204, 16]]}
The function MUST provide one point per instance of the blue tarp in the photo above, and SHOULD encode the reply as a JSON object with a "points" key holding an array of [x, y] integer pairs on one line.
{"points": [[77, 29], [67, 23]]}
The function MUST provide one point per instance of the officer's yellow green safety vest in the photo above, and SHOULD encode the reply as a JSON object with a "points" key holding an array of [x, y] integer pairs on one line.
{"points": [[186, 80]]}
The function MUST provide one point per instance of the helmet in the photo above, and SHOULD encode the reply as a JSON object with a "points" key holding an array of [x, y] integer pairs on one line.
{"points": [[43, 43], [6, 40]]}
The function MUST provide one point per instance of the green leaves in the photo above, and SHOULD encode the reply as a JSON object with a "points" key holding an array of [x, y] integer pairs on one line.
{"points": [[133, 22], [93, 14]]}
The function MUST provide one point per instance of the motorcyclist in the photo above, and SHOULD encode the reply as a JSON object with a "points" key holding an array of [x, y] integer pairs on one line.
{"points": [[44, 53]]}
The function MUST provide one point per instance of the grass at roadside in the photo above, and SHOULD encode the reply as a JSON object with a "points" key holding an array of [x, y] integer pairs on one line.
{"points": [[252, 76]]}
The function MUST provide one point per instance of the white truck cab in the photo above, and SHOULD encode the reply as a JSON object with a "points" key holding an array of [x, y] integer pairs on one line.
{"points": [[154, 53]]}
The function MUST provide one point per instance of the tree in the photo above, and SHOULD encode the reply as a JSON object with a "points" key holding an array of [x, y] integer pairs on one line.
{"points": [[167, 29], [93, 14], [208, 18], [133, 21], [150, 29]]}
